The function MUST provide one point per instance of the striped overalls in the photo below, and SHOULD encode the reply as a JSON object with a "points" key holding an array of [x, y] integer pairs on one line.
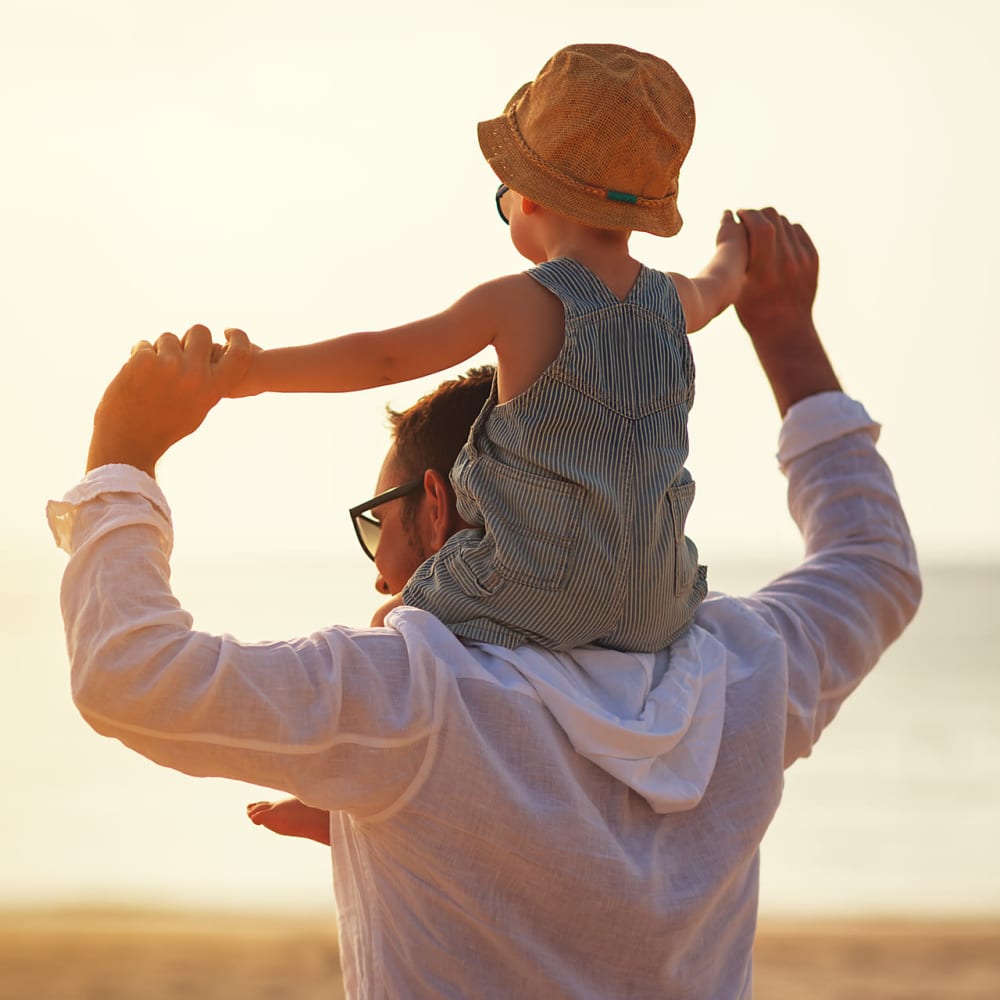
{"points": [[577, 486]]}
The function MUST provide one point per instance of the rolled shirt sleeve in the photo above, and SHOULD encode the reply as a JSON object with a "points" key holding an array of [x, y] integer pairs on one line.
{"points": [[343, 719], [859, 585]]}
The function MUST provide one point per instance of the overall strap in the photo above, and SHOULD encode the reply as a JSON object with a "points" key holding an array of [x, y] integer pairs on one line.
{"points": [[576, 286]]}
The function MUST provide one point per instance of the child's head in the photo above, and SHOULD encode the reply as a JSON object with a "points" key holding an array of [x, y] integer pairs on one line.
{"points": [[599, 136]]}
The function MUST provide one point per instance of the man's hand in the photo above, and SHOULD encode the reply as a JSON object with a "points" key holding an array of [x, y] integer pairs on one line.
{"points": [[775, 306], [162, 394]]}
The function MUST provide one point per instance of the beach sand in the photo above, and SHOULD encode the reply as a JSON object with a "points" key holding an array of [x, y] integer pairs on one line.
{"points": [[121, 955]]}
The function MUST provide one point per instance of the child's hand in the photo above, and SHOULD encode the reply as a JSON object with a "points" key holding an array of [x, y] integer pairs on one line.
{"points": [[733, 237], [246, 386], [718, 284]]}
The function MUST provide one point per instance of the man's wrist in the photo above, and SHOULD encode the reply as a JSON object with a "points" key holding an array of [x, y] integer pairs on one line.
{"points": [[796, 365], [113, 450]]}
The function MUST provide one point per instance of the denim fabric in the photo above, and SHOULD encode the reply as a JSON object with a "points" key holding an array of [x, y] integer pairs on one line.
{"points": [[577, 486]]}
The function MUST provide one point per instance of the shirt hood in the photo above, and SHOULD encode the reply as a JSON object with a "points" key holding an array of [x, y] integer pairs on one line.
{"points": [[651, 720]]}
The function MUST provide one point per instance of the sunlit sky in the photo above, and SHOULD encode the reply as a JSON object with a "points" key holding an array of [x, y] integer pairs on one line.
{"points": [[300, 170]]}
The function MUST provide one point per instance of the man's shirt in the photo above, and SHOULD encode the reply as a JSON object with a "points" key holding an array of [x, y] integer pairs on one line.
{"points": [[515, 823]]}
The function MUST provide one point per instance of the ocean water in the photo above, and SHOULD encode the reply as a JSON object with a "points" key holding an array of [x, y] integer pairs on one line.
{"points": [[897, 811]]}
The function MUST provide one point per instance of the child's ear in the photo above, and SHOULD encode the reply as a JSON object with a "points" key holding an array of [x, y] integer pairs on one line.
{"points": [[529, 207]]}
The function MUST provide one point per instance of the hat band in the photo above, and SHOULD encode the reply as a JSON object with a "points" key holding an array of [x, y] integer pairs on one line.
{"points": [[571, 182]]}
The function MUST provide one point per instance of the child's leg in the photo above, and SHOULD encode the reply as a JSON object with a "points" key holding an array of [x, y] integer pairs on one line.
{"points": [[292, 818]]}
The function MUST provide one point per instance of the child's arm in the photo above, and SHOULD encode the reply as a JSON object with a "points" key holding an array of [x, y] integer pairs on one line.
{"points": [[365, 360], [716, 287]]}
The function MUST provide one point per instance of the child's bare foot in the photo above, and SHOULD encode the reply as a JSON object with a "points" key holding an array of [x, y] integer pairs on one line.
{"points": [[292, 818]]}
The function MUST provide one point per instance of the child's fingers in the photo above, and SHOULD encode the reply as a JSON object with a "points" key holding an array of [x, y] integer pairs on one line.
{"points": [[234, 358], [236, 339]]}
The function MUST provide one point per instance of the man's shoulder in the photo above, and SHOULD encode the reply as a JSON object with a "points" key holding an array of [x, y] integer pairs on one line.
{"points": [[751, 642]]}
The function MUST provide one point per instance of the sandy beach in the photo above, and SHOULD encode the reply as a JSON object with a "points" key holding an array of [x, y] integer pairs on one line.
{"points": [[120, 955]]}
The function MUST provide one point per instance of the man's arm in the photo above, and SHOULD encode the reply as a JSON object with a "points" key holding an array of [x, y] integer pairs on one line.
{"points": [[319, 717], [860, 584]]}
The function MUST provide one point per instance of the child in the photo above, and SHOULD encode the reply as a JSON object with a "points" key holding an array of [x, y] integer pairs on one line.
{"points": [[574, 471]]}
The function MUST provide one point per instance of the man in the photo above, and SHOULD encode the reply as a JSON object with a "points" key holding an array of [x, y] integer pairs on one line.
{"points": [[507, 823]]}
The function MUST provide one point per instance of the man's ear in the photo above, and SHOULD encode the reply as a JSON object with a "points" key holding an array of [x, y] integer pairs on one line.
{"points": [[439, 501]]}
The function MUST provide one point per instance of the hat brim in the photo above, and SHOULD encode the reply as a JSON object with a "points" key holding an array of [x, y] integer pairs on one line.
{"points": [[526, 173]]}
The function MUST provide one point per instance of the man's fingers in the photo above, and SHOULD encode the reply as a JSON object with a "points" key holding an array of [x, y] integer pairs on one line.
{"points": [[803, 240], [168, 344], [213, 370], [197, 342], [795, 253], [774, 241], [761, 230]]}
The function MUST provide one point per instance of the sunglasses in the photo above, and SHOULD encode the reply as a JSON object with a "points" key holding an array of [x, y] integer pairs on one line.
{"points": [[367, 528], [501, 191]]}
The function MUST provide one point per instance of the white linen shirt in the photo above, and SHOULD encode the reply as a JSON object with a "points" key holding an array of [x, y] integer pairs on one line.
{"points": [[514, 823]]}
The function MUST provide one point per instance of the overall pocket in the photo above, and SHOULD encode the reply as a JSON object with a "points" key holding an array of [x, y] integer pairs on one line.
{"points": [[532, 520], [685, 553]]}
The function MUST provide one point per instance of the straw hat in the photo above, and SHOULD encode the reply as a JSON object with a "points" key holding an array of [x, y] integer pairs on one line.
{"points": [[600, 136]]}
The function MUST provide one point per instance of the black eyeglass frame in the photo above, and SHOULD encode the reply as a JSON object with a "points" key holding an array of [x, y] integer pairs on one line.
{"points": [[501, 191], [358, 513]]}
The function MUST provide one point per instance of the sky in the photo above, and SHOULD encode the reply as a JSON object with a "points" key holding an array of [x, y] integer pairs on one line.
{"points": [[300, 171]]}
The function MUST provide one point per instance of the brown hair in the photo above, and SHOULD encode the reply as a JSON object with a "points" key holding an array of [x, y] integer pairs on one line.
{"points": [[430, 433]]}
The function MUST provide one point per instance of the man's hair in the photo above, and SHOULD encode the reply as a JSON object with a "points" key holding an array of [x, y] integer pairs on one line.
{"points": [[430, 433]]}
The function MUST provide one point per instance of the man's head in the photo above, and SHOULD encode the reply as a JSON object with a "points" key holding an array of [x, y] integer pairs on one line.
{"points": [[426, 440]]}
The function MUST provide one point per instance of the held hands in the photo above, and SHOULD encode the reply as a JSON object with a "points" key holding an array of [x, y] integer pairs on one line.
{"points": [[249, 383], [783, 271], [163, 393], [775, 306]]}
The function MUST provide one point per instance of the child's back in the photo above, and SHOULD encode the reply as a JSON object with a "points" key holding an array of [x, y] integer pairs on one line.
{"points": [[578, 485]]}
